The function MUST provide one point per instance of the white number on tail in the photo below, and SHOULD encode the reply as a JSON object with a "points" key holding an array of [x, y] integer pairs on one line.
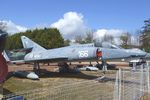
{"points": [[83, 54]]}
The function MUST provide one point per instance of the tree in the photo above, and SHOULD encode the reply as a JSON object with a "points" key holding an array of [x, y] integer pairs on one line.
{"points": [[89, 36], [126, 40], [66, 42], [47, 37], [108, 38], [145, 36], [79, 39]]}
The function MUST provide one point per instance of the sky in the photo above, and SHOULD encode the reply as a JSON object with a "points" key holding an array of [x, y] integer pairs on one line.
{"points": [[120, 15]]}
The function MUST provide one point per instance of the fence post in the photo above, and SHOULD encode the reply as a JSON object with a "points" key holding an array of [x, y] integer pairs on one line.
{"points": [[141, 80], [119, 84], [117, 87], [134, 66], [123, 87], [1, 91], [148, 76]]}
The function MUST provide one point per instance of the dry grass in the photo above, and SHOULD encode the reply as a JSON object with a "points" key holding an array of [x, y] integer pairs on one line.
{"points": [[63, 86], [145, 97], [69, 86]]}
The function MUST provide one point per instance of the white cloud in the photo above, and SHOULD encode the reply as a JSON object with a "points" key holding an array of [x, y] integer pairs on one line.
{"points": [[71, 24], [11, 28], [116, 33]]}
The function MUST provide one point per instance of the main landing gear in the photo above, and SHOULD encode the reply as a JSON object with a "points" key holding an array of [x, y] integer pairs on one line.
{"points": [[36, 68], [102, 66], [64, 68]]}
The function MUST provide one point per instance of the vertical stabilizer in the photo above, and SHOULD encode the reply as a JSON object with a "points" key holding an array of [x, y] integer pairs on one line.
{"points": [[27, 43]]}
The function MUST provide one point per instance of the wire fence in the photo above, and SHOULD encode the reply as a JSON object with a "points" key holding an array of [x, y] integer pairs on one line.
{"points": [[82, 90], [132, 85], [127, 85]]}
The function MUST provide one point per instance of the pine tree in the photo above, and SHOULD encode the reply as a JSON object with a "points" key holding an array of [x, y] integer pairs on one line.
{"points": [[145, 36]]}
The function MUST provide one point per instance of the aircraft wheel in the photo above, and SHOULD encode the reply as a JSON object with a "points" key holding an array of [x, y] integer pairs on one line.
{"points": [[99, 66], [87, 69]]}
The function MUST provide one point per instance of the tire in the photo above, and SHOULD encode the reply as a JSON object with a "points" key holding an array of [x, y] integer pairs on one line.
{"points": [[87, 69]]}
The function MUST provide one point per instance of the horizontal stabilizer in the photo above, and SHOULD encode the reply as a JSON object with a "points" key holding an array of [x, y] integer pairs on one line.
{"points": [[14, 57], [6, 56]]}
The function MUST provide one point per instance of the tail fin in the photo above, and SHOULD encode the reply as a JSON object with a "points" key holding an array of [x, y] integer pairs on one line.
{"points": [[27, 43]]}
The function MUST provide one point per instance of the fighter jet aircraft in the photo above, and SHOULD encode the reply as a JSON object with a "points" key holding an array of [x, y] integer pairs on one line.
{"points": [[72, 53], [60, 55]]}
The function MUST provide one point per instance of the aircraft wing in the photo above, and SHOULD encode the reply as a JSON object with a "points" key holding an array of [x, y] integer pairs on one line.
{"points": [[26, 59], [39, 60], [56, 59]]}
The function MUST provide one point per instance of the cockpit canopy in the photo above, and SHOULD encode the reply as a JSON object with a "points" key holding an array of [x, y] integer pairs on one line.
{"points": [[106, 45]]}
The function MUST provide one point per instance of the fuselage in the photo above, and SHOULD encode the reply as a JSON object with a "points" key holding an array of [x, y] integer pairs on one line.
{"points": [[68, 53], [82, 53]]}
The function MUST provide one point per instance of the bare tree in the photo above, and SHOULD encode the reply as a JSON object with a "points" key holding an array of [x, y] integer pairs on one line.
{"points": [[89, 36], [108, 38], [136, 41], [126, 40], [79, 39]]}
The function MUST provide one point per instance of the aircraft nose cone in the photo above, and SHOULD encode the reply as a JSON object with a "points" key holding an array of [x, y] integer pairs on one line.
{"points": [[137, 53], [142, 53], [148, 55], [33, 76]]}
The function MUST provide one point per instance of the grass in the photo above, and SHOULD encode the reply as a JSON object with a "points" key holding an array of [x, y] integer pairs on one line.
{"points": [[67, 83], [13, 85], [68, 86], [145, 97]]}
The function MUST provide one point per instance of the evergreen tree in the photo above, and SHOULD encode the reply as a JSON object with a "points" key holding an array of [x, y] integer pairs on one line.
{"points": [[47, 37], [145, 36]]}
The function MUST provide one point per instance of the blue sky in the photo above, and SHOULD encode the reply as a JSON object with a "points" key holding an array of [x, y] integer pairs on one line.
{"points": [[109, 14]]}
